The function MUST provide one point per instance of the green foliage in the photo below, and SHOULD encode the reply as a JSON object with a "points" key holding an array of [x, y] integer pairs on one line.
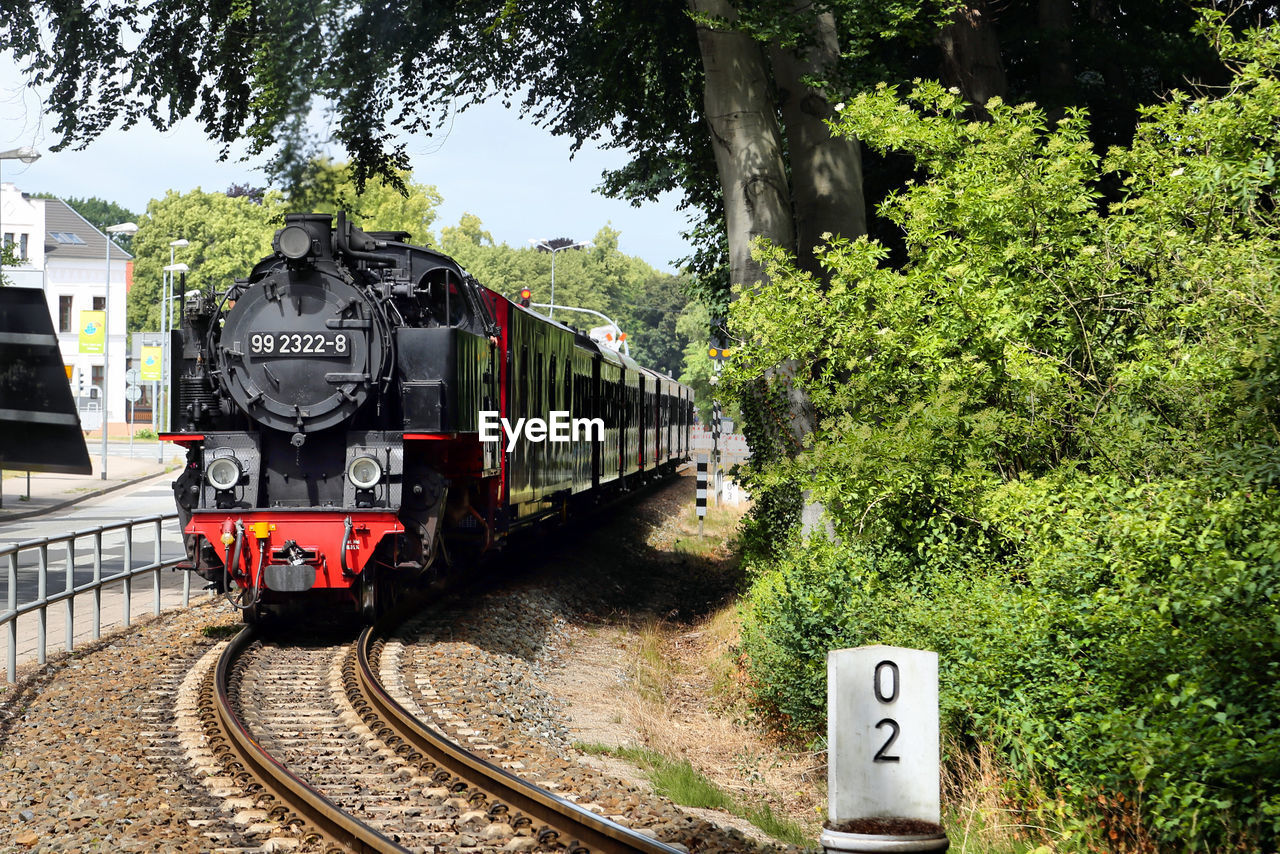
{"points": [[8, 258], [1049, 445], [326, 187], [645, 303], [384, 74], [229, 234], [227, 237]]}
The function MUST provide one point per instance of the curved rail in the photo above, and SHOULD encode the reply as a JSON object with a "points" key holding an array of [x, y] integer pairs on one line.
{"points": [[594, 831], [296, 792]]}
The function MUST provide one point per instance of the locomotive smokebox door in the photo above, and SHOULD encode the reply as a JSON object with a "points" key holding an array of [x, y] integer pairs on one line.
{"points": [[280, 332]]}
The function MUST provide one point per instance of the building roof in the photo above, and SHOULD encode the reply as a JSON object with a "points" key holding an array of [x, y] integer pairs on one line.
{"points": [[69, 235]]}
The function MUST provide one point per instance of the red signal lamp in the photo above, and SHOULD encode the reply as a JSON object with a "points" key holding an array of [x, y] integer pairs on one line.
{"points": [[525, 295]]}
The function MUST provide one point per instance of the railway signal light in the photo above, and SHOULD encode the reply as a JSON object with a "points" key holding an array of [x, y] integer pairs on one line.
{"points": [[525, 295], [720, 353]]}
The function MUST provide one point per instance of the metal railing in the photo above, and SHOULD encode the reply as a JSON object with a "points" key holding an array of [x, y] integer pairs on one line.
{"points": [[65, 545]]}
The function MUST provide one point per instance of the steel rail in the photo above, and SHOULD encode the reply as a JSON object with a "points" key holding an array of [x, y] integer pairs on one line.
{"points": [[594, 831], [297, 793]]}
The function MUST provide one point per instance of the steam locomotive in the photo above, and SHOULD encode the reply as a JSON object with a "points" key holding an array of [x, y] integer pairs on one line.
{"points": [[360, 416]]}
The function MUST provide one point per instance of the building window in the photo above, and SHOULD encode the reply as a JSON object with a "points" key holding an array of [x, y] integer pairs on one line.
{"points": [[99, 303], [22, 246], [64, 315], [96, 379]]}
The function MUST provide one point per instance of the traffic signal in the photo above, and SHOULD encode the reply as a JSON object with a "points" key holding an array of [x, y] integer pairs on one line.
{"points": [[81, 391], [719, 354], [525, 295]]}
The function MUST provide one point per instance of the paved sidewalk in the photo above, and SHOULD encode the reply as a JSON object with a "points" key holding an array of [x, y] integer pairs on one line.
{"points": [[55, 491]]}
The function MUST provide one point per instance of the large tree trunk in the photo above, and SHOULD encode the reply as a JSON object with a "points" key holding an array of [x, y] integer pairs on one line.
{"points": [[826, 171], [971, 55], [826, 187], [739, 106]]}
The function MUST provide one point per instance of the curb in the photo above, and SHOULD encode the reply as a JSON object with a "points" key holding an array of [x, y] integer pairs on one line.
{"points": [[62, 505]]}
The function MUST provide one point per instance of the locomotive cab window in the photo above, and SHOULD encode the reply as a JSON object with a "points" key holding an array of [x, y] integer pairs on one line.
{"points": [[442, 298]]}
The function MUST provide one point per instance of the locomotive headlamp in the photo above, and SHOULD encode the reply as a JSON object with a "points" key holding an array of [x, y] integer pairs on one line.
{"points": [[364, 472], [293, 242], [223, 473]]}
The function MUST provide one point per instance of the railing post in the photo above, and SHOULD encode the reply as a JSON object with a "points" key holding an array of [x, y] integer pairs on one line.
{"points": [[42, 611], [156, 574], [13, 620], [186, 575], [97, 584], [70, 588], [128, 569]]}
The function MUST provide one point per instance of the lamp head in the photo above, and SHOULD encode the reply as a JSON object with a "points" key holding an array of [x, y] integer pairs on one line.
{"points": [[26, 154]]}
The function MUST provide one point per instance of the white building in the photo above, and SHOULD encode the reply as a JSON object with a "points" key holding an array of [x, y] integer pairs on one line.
{"points": [[67, 257]]}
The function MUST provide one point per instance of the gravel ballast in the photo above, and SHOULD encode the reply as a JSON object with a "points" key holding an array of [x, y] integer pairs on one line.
{"points": [[91, 759]]}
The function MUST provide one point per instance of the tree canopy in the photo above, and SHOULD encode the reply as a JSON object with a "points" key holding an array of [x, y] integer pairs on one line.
{"points": [[228, 234]]}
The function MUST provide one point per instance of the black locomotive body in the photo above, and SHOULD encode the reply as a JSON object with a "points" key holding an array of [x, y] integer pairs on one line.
{"points": [[333, 406]]}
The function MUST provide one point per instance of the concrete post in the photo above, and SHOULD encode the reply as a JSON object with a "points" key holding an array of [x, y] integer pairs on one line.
{"points": [[883, 751]]}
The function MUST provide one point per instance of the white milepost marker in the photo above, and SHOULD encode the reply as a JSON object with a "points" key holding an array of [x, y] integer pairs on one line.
{"points": [[883, 751]]}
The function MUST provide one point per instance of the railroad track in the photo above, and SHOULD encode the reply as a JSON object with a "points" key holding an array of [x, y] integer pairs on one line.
{"points": [[318, 729]]}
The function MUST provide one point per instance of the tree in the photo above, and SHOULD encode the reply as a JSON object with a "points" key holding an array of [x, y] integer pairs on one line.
{"points": [[393, 204], [8, 258], [643, 301], [227, 236], [1049, 443]]}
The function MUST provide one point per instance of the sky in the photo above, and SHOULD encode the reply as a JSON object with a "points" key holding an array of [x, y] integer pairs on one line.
{"points": [[516, 177]]}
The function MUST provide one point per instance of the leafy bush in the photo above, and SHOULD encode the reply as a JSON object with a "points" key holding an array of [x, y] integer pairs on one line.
{"points": [[1050, 447]]}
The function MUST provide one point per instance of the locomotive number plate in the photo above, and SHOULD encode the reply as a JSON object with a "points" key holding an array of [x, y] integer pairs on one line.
{"points": [[300, 344]]}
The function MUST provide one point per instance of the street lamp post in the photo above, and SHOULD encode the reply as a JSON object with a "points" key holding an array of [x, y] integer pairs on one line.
{"points": [[166, 330], [122, 228], [546, 244]]}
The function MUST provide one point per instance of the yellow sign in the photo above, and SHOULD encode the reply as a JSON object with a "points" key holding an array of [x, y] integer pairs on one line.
{"points": [[93, 332], [151, 357]]}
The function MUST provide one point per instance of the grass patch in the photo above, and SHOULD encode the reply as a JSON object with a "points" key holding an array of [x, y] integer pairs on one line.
{"points": [[223, 631], [678, 780], [652, 671]]}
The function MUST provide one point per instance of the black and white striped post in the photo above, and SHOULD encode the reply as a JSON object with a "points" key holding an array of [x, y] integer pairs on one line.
{"points": [[702, 493], [715, 449]]}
